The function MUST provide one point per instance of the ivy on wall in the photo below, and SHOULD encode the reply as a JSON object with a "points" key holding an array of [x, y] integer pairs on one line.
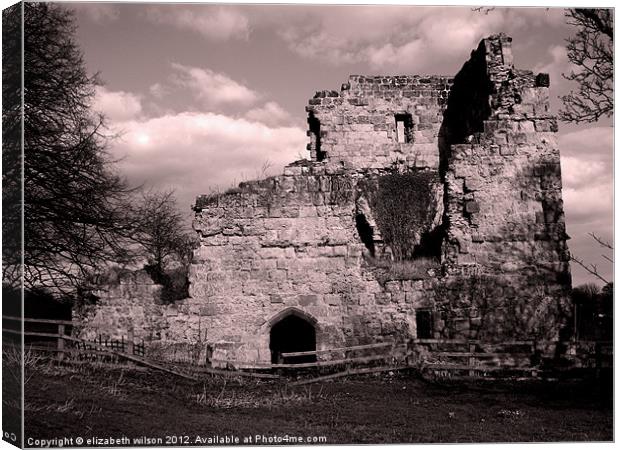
{"points": [[404, 205]]}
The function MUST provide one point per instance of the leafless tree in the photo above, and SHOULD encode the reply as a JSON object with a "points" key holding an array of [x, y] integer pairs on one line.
{"points": [[593, 268], [591, 51], [73, 200], [161, 231]]}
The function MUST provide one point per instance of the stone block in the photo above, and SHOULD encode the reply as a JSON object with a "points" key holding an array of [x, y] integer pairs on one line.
{"points": [[507, 150], [208, 310], [473, 184], [339, 250], [275, 298], [383, 298], [308, 299], [472, 207], [333, 299]]}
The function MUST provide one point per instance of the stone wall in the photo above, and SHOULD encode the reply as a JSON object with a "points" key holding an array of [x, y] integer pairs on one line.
{"points": [[126, 301], [290, 242], [308, 242], [357, 127], [504, 192]]}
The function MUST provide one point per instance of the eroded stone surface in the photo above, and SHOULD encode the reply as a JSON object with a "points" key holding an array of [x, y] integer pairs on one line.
{"points": [[292, 242]]}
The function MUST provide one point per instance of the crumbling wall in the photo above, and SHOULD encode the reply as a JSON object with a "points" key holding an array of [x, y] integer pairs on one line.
{"points": [[374, 121], [310, 240], [290, 241], [503, 203], [125, 301]]}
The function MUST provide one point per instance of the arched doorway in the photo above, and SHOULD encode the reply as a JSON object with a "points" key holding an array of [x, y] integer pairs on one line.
{"points": [[292, 333]]}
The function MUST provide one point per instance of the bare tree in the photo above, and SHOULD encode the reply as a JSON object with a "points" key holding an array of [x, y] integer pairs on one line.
{"points": [[591, 50], [161, 232], [74, 201], [593, 311], [593, 268], [162, 236]]}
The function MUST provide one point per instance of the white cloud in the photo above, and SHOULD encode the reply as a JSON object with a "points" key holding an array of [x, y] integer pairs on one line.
{"points": [[588, 143], [270, 114], [401, 38], [97, 12], [578, 173], [213, 23], [158, 90], [117, 105], [556, 65], [587, 176], [212, 88], [589, 204], [396, 38], [196, 152]]}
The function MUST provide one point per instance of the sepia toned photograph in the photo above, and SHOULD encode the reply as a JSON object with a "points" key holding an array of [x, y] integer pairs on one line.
{"points": [[298, 224]]}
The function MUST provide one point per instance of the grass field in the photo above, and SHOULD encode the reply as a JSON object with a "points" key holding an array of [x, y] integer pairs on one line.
{"points": [[102, 403]]}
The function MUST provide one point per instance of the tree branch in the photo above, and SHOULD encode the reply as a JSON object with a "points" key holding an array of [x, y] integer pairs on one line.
{"points": [[590, 268]]}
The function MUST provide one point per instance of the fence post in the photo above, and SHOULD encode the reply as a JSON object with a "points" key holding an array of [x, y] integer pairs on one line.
{"points": [[407, 352], [535, 359], [575, 323], [130, 345], [415, 358], [598, 359], [61, 342], [471, 360]]}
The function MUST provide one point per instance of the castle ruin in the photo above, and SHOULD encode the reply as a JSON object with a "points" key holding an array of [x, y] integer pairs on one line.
{"points": [[431, 207]]}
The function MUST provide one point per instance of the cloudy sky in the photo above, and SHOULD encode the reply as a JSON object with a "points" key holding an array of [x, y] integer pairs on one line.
{"points": [[206, 96]]}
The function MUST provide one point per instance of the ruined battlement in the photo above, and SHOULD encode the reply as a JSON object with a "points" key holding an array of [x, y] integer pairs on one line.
{"points": [[386, 87], [375, 121]]}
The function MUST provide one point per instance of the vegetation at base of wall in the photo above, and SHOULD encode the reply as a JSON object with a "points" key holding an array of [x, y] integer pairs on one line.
{"points": [[505, 312], [415, 269]]}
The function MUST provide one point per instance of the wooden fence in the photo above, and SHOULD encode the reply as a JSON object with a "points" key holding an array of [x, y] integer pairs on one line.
{"points": [[454, 358], [450, 357], [335, 358], [61, 342], [530, 357]]}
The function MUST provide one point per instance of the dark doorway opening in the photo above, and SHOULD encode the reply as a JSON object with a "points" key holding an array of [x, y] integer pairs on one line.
{"points": [[292, 334], [424, 324]]}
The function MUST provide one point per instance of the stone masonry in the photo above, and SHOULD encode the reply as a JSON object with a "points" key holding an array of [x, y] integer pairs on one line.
{"points": [[309, 242]]}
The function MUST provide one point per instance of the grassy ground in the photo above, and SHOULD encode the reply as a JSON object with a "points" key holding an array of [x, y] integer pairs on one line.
{"points": [[87, 402]]}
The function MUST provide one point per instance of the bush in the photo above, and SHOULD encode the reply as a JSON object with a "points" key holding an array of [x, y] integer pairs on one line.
{"points": [[404, 206], [175, 282]]}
